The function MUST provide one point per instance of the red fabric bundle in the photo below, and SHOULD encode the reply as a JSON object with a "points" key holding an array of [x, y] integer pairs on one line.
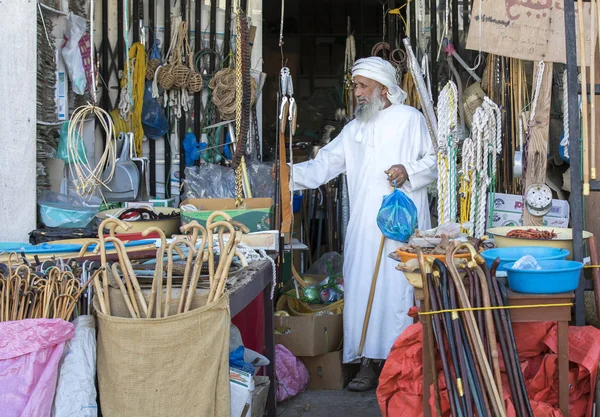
{"points": [[400, 391]]}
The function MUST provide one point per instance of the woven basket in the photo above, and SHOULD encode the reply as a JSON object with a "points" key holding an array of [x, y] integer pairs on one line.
{"points": [[195, 82], [181, 73], [165, 77], [473, 98], [151, 68]]}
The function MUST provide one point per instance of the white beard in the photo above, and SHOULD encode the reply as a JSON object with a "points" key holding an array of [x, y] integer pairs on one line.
{"points": [[366, 111]]}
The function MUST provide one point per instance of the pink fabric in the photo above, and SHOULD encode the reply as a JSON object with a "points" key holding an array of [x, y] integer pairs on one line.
{"points": [[292, 375], [30, 351]]}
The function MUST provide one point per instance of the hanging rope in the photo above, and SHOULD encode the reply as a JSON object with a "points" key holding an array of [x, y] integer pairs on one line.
{"points": [[447, 142], [132, 122]]}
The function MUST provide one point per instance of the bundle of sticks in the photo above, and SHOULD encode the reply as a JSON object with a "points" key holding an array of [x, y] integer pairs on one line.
{"points": [[200, 243], [468, 340], [25, 294]]}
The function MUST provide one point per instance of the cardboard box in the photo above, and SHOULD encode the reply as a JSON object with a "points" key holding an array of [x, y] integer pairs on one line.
{"points": [[327, 372], [151, 203], [514, 204], [260, 395], [309, 335], [516, 219], [256, 214], [241, 385]]}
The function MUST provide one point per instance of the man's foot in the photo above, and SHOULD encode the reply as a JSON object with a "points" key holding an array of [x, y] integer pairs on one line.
{"points": [[364, 380]]}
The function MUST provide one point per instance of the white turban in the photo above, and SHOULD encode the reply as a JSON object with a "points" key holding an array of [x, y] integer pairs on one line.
{"points": [[383, 72]]}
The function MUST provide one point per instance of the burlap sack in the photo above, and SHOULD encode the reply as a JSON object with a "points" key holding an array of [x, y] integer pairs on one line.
{"points": [[176, 366]]}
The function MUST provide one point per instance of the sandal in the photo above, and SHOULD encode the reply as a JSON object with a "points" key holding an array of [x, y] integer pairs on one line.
{"points": [[365, 380]]}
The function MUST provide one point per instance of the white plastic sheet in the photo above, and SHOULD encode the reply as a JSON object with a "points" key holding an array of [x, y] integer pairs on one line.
{"points": [[76, 390]]}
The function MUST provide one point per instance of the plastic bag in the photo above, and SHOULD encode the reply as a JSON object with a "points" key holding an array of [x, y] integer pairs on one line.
{"points": [[30, 351], [329, 263], [59, 210], [398, 216], [236, 360], [292, 375], [63, 152], [154, 120], [209, 181], [263, 185], [76, 28], [527, 262], [76, 389]]}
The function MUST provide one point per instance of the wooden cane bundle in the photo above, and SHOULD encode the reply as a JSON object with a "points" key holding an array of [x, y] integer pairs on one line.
{"points": [[53, 295], [158, 306]]}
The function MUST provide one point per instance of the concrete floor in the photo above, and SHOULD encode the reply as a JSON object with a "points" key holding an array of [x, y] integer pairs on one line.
{"points": [[331, 404]]}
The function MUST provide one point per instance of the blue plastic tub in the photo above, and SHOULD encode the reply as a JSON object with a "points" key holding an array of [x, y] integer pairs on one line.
{"points": [[515, 253], [556, 276]]}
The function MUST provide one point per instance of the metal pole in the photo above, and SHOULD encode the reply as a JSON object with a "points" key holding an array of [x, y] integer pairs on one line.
{"points": [[413, 25], [136, 21], [167, 143], [433, 49], [182, 125], [227, 34], [105, 70], [575, 155], [197, 48], [151, 142], [213, 33]]}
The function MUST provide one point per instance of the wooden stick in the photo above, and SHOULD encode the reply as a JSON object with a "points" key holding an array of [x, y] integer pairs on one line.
{"points": [[211, 253], [128, 281], [103, 260], [584, 101], [427, 321], [225, 270], [101, 299], [158, 271], [472, 333], [365, 328], [188, 265], [592, 92], [224, 252], [200, 257], [116, 276], [127, 264], [489, 318]]}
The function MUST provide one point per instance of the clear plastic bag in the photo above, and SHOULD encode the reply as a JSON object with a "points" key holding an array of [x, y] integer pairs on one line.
{"points": [[209, 181], [527, 262], [398, 216], [263, 185], [58, 210], [154, 121], [216, 181], [76, 28], [62, 152]]}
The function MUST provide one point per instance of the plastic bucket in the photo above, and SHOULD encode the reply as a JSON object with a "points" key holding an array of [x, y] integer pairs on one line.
{"points": [[556, 276], [515, 253]]}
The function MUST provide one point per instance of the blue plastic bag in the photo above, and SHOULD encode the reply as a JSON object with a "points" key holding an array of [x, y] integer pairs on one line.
{"points": [[154, 120], [236, 360], [398, 217], [63, 151]]}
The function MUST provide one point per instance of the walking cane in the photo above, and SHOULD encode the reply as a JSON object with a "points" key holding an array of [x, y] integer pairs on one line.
{"points": [[363, 337]]}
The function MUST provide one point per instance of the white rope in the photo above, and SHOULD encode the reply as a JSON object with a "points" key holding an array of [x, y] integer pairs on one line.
{"points": [[447, 142], [565, 108], [252, 255], [536, 92]]}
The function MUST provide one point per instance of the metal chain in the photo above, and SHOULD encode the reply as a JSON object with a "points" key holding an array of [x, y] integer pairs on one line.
{"points": [[239, 190]]}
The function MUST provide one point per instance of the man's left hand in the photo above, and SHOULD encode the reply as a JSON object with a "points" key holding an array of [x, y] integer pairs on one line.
{"points": [[397, 174]]}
